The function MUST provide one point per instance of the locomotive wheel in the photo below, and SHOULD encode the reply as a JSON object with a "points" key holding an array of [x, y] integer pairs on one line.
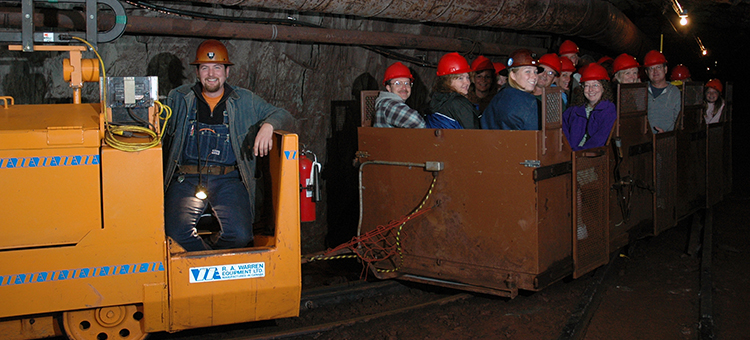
{"points": [[107, 323]]}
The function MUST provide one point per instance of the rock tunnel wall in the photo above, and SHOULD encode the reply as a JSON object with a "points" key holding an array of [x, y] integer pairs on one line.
{"points": [[318, 83]]}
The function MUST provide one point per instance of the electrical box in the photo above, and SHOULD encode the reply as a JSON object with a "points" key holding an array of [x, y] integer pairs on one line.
{"points": [[129, 100]]}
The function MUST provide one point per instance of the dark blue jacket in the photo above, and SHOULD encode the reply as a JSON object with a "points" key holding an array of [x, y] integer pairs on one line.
{"points": [[511, 109]]}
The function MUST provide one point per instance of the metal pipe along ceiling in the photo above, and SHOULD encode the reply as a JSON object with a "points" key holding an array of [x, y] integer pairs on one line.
{"points": [[202, 28], [595, 20]]}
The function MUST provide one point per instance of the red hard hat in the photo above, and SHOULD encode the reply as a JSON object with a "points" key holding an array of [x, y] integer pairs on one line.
{"points": [[452, 63], [567, 65], [604, 59], [397, 70], [679, 72], [498, 67], [715, 84], [522, 57], [654, 57], [551, 60], [623, 62], [481, 63], [594, 71], [211, 52], [568, 47]]}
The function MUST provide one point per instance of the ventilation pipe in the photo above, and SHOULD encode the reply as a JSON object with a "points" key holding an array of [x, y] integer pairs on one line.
{"points": [[596, 20], [219, 29]]}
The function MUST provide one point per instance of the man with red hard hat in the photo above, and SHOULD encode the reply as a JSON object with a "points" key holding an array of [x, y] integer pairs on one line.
{"points": [[663, 97], [390, 106], [550, 64], [563, 81], [569, 49], [209, 146]]}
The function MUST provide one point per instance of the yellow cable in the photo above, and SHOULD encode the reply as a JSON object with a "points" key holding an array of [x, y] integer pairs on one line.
{"points": [[400, 227], [101, 62], [112, 130]]}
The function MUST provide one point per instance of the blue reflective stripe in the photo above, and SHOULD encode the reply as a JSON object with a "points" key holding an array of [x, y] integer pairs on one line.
{"points": [[81, 273], [50, 161]]}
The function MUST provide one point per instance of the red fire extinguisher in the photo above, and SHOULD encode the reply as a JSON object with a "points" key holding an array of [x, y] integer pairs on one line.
{"points": [[309, 179]]}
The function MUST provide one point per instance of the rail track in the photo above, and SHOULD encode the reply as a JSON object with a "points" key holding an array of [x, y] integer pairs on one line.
{"points": [[697, 245], [564, 311], [328, 307]]}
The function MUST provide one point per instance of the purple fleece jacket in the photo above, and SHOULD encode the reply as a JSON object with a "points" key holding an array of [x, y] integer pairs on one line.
{"points": [[598, 125]]}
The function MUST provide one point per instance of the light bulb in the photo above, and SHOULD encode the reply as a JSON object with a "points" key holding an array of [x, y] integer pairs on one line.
{"points": [[683, 21]]}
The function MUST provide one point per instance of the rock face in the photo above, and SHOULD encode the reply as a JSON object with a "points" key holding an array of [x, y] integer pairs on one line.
{"points": [[318, 83]]}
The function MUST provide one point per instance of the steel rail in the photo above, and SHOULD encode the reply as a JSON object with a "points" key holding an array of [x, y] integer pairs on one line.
{"points": [[349, 322]]}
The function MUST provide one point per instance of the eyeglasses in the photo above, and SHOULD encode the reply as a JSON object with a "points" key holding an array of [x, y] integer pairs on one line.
{"points": [[401, 83], [549, 73], [655, 67]]}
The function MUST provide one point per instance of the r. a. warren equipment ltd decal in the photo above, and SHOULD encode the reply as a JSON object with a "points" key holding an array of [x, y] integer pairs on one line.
{"points": [[227, 272]]}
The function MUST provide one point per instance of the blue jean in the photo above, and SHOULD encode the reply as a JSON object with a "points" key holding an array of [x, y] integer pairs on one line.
{"points": [[229, 201]]}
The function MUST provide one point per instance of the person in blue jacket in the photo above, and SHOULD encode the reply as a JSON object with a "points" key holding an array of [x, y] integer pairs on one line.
{"points": [[515, 107], [588, 122]]}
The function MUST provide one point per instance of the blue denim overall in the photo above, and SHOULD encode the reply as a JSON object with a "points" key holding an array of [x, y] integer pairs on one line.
{"points": [[228, 197]]}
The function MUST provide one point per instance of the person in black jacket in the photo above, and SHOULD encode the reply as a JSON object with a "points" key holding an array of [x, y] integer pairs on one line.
{"points": [[450, 91]]}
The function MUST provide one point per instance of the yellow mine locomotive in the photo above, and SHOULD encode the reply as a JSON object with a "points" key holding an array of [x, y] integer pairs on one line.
{"points": [[84, 252]]}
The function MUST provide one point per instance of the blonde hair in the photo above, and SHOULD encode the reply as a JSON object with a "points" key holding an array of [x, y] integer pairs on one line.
{"points": [[512, 82]]}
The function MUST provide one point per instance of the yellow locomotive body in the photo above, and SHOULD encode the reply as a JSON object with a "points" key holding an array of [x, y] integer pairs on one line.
{"points": [[85, 250]]}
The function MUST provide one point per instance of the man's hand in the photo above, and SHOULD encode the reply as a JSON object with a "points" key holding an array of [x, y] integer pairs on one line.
{"points": [[264, 140], [658, 129]]}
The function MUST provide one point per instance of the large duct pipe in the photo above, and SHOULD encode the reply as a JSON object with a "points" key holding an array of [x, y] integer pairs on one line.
{"points": [[595, 20], [217, 29]]}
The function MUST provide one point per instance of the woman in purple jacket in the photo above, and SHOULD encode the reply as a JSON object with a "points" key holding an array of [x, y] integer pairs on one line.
{"points": [[588, 122]]}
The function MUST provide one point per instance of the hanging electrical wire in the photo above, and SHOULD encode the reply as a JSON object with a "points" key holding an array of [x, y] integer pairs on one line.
{"points": [[112, 130], [191, 14], [291, 22], [399, 56]]}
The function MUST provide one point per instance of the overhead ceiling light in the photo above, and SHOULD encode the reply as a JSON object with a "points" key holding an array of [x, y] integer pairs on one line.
{"points": [[703, 49], [683, 20], [680, 11]]}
